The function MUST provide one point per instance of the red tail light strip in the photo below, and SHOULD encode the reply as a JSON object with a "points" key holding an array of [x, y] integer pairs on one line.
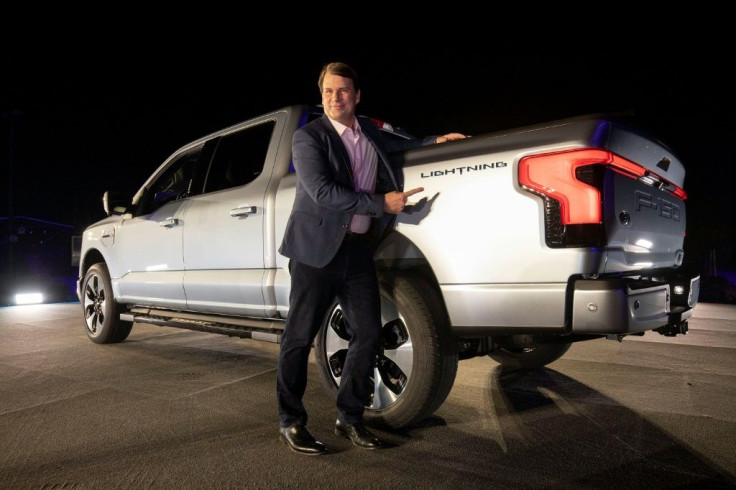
{"points": [[553, 175]]}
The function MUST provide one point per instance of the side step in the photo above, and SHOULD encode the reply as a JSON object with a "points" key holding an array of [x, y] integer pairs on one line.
{"points": [[247, 328]]}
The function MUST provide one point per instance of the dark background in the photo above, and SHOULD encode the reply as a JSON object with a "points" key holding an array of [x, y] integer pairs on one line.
{"points": [[77, 122]]}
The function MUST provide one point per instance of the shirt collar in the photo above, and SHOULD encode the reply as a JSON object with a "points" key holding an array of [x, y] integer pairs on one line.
{"points": [[340, 127]]}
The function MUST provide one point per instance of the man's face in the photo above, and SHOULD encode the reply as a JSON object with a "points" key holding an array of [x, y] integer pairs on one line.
{"points": [[339, 98]]}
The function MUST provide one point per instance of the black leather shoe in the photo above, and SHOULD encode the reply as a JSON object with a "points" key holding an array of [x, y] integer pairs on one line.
{"points": [[358, 434], [298, 438]]}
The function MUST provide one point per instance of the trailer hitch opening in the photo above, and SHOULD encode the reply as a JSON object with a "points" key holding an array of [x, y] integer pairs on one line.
{"points": [[672, 329]]}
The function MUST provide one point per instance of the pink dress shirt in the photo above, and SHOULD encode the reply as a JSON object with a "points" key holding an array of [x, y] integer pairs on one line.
{"points": [[364, 162]]}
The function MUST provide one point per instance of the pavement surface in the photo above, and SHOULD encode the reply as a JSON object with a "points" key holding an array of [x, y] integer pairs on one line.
{"points": [[172, 408]]}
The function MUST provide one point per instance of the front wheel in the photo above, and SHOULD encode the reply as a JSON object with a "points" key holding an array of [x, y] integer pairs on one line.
{"points": [[417, 359], [101, 313]]}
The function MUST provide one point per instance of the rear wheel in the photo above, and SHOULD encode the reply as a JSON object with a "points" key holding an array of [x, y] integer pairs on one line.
{"points": [[417, 360], [101, 313], [526, 352]]}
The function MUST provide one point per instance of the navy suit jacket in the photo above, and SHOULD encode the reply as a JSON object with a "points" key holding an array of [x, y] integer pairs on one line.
{"points": [[326, 198]]}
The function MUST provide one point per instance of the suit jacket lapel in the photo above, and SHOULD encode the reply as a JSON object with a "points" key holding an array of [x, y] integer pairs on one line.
{"points": [[338, 145], [385, 172]]}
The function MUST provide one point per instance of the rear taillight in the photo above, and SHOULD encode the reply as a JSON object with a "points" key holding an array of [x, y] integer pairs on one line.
{"points": [[553, 175], [571, 182], [382, 124]]}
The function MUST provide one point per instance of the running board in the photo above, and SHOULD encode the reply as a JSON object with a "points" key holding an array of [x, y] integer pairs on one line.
{"points": [[247, 328]]}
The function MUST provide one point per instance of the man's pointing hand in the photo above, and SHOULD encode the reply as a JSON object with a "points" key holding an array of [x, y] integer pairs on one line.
{"points": [[395, 201]]}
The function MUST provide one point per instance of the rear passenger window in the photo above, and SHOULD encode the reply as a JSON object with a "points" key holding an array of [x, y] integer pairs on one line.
{"points": [[239, 157]]}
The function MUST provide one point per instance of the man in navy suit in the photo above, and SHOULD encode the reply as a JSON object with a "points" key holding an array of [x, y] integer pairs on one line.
{"points": [[347, 196]]}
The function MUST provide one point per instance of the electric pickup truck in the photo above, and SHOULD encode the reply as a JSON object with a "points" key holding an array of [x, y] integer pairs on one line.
{"points": [[523, 242]]}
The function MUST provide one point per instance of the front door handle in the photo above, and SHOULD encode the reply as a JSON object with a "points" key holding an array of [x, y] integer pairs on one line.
{"points": [[169, 222]]}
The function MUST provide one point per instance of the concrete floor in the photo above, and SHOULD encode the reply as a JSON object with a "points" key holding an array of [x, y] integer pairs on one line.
{"points": [[174, 408]]}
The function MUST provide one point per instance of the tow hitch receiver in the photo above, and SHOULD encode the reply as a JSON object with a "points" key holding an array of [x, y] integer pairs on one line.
{"points": [[673, 329]]}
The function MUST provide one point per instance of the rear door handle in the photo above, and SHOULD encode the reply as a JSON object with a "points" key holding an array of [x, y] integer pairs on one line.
{"points": [[243, 210]]}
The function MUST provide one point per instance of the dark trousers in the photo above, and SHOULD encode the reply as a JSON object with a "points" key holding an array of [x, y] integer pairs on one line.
{"points": [[351, 278]]}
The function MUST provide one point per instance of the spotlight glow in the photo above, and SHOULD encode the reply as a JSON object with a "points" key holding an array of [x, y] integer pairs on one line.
{"points": [[28, 298]]}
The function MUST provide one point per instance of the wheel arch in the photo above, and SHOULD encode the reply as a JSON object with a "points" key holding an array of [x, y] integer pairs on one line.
{"points": [[91, 257], [398, 253]]}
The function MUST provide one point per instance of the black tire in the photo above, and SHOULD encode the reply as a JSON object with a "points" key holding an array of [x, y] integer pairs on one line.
{"points": [[101, 312], [523, 352], [417, 360]]}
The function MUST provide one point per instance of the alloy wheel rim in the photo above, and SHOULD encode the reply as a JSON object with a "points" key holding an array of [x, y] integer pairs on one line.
{"points": [[94, 304], [394, 359]]}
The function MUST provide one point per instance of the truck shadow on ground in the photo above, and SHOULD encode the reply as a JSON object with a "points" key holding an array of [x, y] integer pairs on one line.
{"points": [[560, 433]]}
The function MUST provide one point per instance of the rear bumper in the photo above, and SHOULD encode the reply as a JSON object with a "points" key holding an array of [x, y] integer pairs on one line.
{"points": [[626, 305]]}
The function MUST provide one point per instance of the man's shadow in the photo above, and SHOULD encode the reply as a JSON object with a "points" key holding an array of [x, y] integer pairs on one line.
{"points": [[413, 214]]}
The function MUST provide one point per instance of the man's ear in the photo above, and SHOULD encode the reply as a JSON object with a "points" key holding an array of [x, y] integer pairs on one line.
{"points": [[357, 96]]}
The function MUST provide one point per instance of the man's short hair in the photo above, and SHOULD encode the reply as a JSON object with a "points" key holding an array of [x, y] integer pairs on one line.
{"points": [[340, 69]]}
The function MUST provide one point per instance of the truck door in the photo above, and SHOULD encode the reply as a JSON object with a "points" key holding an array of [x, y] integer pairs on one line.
{"points": [[223, 236], [152, 268]]}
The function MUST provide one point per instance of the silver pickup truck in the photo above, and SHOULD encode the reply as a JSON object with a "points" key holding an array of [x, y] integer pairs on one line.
{"points": [[523, 242]]}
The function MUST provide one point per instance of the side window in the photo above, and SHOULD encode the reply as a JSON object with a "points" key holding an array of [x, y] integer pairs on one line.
{"points": [[239, 157], [175, 182]]}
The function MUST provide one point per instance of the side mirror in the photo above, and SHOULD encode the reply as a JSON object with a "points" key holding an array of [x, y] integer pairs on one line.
{"points": [[115, 202]]}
